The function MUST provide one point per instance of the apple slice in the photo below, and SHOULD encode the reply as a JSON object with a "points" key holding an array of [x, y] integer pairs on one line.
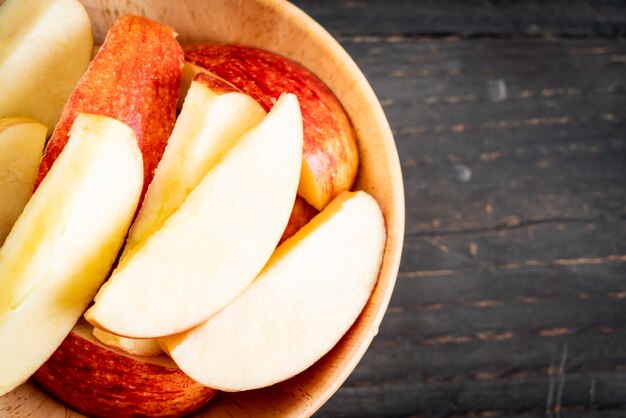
{"points": [[148, 347], [307, 296], [214, 245], [21, 146], [215, 115], [102, 382], [134, 78], [64, 243], [188, 73], [46, 46], [302, 211], [330, 155]]}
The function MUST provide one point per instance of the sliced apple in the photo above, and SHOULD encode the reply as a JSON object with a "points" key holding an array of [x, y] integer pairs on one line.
{"points": [[214, 245], [302, 211], [148, 347], [134, 78], [21, 146], [188, 73], [102, 382], [307, 296], [215, 115], [45, 47], [64, 243], [330, 155]]}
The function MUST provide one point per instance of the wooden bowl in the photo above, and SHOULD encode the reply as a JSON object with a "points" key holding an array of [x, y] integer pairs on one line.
{"points": [[281, 27]]}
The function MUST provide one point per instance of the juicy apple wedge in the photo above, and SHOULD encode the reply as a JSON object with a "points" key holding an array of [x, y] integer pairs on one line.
{"points": [[214, 116], [330, 155], [305, 299], [140, 347], [134, 78], [46, 46], [64, 243], [102, 382], [302, 211], [213, 246], [21, 146]]}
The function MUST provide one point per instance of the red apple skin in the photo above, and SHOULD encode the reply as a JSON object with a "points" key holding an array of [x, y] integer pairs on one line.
{"points": [[330, 148], [104, 383], [216, 85], [134, 78]]}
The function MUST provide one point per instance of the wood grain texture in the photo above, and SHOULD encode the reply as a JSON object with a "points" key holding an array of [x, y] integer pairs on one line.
{"points": [[469, 18], [511, 295]]}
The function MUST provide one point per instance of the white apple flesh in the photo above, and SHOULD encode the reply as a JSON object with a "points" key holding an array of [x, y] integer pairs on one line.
{"points": [[45, 47], [212, 247], [148, 347], [214, 116], [330, 155], [21, 147], [305, 299], [64, 243]]}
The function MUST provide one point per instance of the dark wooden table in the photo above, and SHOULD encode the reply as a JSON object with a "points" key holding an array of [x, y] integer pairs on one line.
{"points": [[510, 122]]}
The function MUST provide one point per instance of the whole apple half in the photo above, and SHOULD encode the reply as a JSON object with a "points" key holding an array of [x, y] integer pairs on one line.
{"points": [[104, 382], [330, 155]]}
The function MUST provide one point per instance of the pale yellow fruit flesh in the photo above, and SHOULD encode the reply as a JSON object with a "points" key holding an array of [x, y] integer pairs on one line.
{"points": [[208, 126], [213, 246], [138, 347], [305, 299], [45, 47], [189, 71], [21, 147], [64, 243], [311, 189]]}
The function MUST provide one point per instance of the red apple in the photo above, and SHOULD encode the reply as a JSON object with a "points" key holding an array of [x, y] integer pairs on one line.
{"points": [[330, 160], [103, 382], [134, 78]]}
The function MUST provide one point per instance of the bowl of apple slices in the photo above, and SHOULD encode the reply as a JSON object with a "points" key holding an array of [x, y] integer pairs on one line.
{"points": [[216, 224]]}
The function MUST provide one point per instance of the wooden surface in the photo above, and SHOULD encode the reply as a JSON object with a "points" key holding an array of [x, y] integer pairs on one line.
{"points": [[510, 121]]}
